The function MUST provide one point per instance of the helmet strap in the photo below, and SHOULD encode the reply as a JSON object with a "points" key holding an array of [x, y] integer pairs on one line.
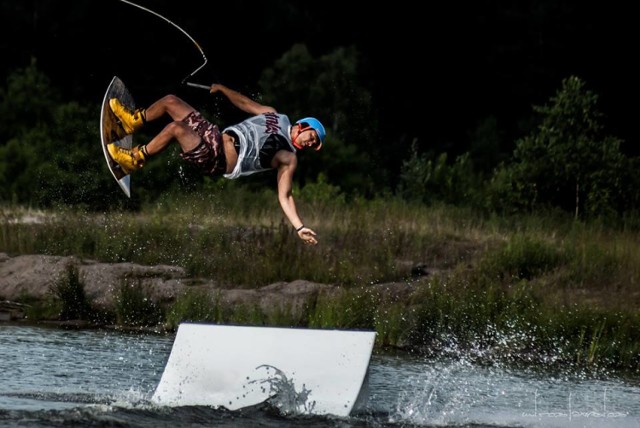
{"points": [[295, 139]]}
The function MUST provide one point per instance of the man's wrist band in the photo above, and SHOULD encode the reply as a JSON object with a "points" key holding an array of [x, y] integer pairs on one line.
{"points": [[300, 228]]}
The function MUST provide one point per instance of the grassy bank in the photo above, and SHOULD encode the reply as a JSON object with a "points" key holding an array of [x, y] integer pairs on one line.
{"points": [[537, 289]]}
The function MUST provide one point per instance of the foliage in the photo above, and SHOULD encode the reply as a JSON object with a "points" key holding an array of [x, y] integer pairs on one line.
{"points": [[193, 306], [27, 101], [328, 88], [523, 257], [486, 146], [428, 180], [541, 289], [49, 155], [134, 308], [322, 192], [70, 291], [567, 162], [350, 309]]}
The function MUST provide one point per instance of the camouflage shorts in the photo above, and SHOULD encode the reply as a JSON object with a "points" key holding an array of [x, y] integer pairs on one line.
{"points": [[208, 156]]}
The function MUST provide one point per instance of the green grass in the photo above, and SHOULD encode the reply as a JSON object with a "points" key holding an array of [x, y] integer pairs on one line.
{"points": [[531, 289]]}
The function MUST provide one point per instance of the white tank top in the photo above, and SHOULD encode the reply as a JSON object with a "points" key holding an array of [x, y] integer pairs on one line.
{"points": [[253, 133]]}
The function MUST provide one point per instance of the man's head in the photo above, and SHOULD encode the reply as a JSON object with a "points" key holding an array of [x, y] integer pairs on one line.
{"points": [[311, 124]]}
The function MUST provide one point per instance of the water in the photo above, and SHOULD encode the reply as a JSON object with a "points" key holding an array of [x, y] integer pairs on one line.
{"points": [[52, 377]]}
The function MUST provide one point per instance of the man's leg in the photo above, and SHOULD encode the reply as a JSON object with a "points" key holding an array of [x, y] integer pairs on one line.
{"points": [[133, 120], [180, 131], [171, 105], [133, 159], [188, 139]]}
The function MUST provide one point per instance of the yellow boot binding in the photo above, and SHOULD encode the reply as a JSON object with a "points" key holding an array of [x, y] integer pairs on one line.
{"points": [[131, 120], [128, 159]]}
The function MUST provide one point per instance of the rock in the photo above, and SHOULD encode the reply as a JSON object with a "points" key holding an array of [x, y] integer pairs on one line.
{"points": [[34, 277]]}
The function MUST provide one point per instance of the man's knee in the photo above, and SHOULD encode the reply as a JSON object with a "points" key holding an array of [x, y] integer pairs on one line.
{"points": [[172, 100], [178, 128]]}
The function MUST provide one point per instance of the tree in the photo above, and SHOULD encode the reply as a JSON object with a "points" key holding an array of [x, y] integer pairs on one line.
{"points": [[426, 180], [49, 150], [566, 161], [26, 102]]}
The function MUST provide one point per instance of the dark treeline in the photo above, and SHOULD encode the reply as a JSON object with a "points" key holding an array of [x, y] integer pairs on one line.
{"points": [[505, 107]]}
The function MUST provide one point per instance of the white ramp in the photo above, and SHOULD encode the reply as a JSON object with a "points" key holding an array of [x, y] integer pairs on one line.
{"points": [[305, 371], [298, 370]]}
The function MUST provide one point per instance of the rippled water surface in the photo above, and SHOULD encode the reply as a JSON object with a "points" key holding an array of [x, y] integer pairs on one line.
{"points": [[53, 377]]}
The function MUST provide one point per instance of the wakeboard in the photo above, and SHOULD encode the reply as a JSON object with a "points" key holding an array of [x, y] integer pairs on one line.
{"points": [[111, 130]]}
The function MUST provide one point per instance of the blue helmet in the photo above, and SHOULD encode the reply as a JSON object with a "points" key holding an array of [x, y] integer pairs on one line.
{"points": [[313, 123]]}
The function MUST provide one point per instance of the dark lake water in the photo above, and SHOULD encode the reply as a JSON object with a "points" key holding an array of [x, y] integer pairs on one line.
{"points": [[53, 377]]}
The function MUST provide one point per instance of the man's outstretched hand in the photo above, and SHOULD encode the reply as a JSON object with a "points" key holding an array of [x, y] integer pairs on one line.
{"points": [[308, 236]]}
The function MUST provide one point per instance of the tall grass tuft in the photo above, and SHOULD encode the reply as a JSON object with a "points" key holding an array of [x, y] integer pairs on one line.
{"points": [[70, 291], [522, 257], [193, 306], [350, 309], [134, 308]]}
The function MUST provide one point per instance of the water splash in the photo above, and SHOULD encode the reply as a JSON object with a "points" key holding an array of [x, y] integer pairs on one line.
{"points": [[440, 397], [283, 394]]}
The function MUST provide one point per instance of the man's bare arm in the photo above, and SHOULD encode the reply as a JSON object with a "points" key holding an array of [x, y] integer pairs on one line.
{"points": [[287, 203], [243, 102]]}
